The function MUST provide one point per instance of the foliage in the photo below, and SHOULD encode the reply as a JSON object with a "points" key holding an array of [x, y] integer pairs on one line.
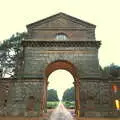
{"points": [[10, 51], [52, 95], [69, 95], [111, 71]]}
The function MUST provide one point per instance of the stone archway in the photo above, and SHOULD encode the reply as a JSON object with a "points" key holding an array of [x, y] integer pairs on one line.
{"points": [[66, 65], [61, 37]]}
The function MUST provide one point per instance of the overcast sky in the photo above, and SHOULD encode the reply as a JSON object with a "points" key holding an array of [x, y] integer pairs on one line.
{"points": [[16, 14]]}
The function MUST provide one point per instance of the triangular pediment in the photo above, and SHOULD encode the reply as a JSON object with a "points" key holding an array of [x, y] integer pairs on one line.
{"points": [[60, 20]]}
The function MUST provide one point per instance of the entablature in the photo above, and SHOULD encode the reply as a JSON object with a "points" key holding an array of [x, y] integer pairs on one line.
{"points": [[33, 43]]}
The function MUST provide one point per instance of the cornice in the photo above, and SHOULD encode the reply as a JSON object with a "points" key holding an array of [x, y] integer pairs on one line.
{"points": [[63, 28], [30, 43]]}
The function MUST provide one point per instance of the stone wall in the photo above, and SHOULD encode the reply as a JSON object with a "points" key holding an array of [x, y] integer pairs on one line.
{"points": [[85, 59], [74, 35], [25, 98], [74, 30], [96, 98]]}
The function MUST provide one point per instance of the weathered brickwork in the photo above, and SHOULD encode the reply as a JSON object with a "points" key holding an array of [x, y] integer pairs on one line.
{"points": [[19, 98], [86, 59], [96, 97]]}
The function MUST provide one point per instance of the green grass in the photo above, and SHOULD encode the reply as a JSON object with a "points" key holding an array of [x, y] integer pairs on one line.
{"points": [[70, 105], [67, 104], [52, 105]]}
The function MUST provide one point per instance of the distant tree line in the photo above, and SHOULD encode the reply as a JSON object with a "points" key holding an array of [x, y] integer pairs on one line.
{"points": [[111, 71], [69, 95], [52, 95]]}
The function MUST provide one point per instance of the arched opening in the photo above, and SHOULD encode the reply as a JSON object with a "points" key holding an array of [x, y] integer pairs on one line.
{"points": [[71, 69], [61, 36], [64, 80], [61, 88]]}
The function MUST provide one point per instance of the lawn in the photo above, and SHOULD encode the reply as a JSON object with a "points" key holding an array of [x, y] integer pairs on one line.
{"points": [[52, 105], [67, 104]]}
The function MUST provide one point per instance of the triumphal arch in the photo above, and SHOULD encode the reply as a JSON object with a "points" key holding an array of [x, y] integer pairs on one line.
{"points": [[60, 42]]}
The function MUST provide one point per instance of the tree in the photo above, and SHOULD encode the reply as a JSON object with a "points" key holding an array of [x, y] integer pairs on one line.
{"points": [[114, 70], [52, 95], [69, 95], [11, 52], [111, 71]]}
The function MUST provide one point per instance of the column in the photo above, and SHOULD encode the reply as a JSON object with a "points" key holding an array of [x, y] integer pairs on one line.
{"points": [[77, 97], [46, 95]]}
